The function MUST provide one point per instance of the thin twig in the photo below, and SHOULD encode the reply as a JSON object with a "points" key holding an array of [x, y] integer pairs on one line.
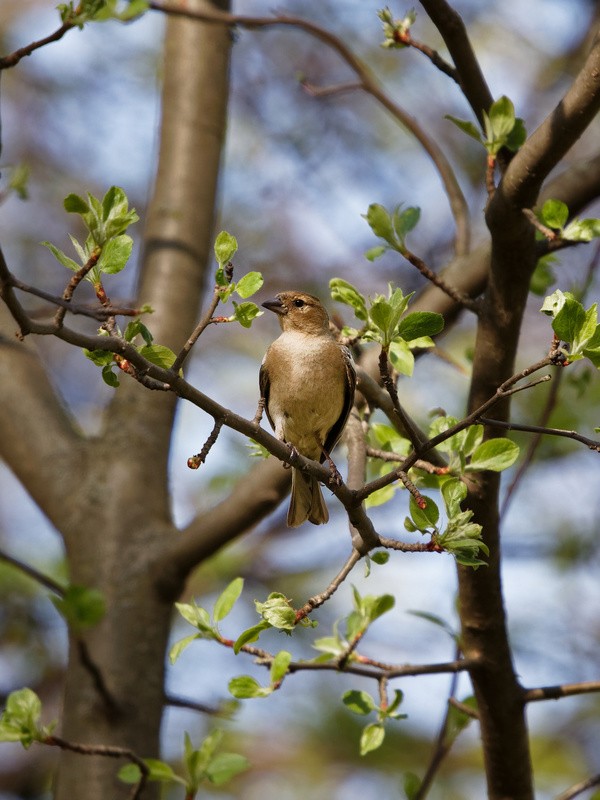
{"points": [[426, 466], [456, 295], [94, 312], [580, 788], [13, 59], [561, 690], [318, 599], [206, 320], [108, 751], [592, 444], [200, 458], [76, 279]]}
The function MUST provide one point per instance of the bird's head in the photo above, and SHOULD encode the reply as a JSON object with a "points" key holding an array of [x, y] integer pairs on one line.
{"points": [[299, 311]]}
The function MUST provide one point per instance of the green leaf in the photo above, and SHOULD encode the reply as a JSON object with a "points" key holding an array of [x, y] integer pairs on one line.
{"points": [[99, 357], [358, 702], [372, 737], [226, 766], [158, 354], [373, 253], [137, 328], [225, 248], [62, 257], [517, 137], [380, 496], [345, 292], [569, 320], [280, 665], [250, 635], [554, 214], [109, 377], [227, 599], [180, 646], [115, 254], [19, 178], [81, 607], [19, 721], [502, 118], [380, 557], [420, 323], [405, 221], [401, 357], [582, 230], [466, 127], [245, 313], [277, 611], [411, 785], [380, 223], [249, 284], [196, 616], [553, 303], [245, 687], [454, 492], [374, 607], [495, 455], [75, 204], [424, 518], [435, 620]]}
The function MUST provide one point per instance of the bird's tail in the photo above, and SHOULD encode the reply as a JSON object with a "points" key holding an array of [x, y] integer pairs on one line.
{"points": [[306, 501]]}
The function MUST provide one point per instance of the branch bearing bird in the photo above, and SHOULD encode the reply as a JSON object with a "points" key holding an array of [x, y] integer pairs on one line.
{"points": [[307, 383]]}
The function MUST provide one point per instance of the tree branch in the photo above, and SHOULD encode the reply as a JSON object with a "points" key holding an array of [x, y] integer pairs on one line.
{"points": [[368, 83]]}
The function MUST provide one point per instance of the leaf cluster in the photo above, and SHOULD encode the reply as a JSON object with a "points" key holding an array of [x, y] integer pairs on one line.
{"points": [[577, 327], [225, 248], [396, 31], [106, 242], [201, 765], [502, 128], [555, 215], [386, 322], [20, 720]]}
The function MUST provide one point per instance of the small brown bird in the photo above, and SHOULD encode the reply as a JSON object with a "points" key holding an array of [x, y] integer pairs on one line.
{"points": [[307, 383]]}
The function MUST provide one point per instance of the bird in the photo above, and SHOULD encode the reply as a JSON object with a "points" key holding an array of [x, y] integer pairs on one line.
{"points": [[307, 382]]}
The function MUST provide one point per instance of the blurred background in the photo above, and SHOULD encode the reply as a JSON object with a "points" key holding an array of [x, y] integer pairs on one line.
{"points": [[298, 172]]}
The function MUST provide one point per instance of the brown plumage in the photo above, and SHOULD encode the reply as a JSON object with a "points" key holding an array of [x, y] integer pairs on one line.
{"points": [[307, 381]]}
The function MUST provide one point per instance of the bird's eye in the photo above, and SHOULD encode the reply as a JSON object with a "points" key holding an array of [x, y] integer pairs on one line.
{"points": [[298, 302]]}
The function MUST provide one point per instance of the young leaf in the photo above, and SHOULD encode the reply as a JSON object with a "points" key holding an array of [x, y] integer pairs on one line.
{"points": [[495, 455], [245, 313], [158, 354], [115, 254], [245, 687], [554, 214], [249, 284], [250, 635], [180, 646], [420, 323], [277, 611], [225, 248], [372, 737], [345, 292], [225, 766], [227, 599], [466, 127], [81, 607], [62, 257], [424, 518], [380, 223], [358, 702], [280, 665]]}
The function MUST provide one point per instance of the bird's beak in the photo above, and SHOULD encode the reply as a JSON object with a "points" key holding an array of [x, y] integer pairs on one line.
{"points": [[276, 306]]}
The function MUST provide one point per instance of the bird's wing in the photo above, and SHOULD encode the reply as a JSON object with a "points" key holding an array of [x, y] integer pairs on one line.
{"points": [[264, 383], [336, 431]]}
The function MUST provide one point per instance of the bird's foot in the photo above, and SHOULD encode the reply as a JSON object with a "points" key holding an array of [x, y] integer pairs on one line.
{"points": [[293, 455], [335, 477]]}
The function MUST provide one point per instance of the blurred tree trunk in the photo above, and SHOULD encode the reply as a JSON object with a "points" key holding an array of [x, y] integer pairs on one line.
{"points": [[122, 518]]}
